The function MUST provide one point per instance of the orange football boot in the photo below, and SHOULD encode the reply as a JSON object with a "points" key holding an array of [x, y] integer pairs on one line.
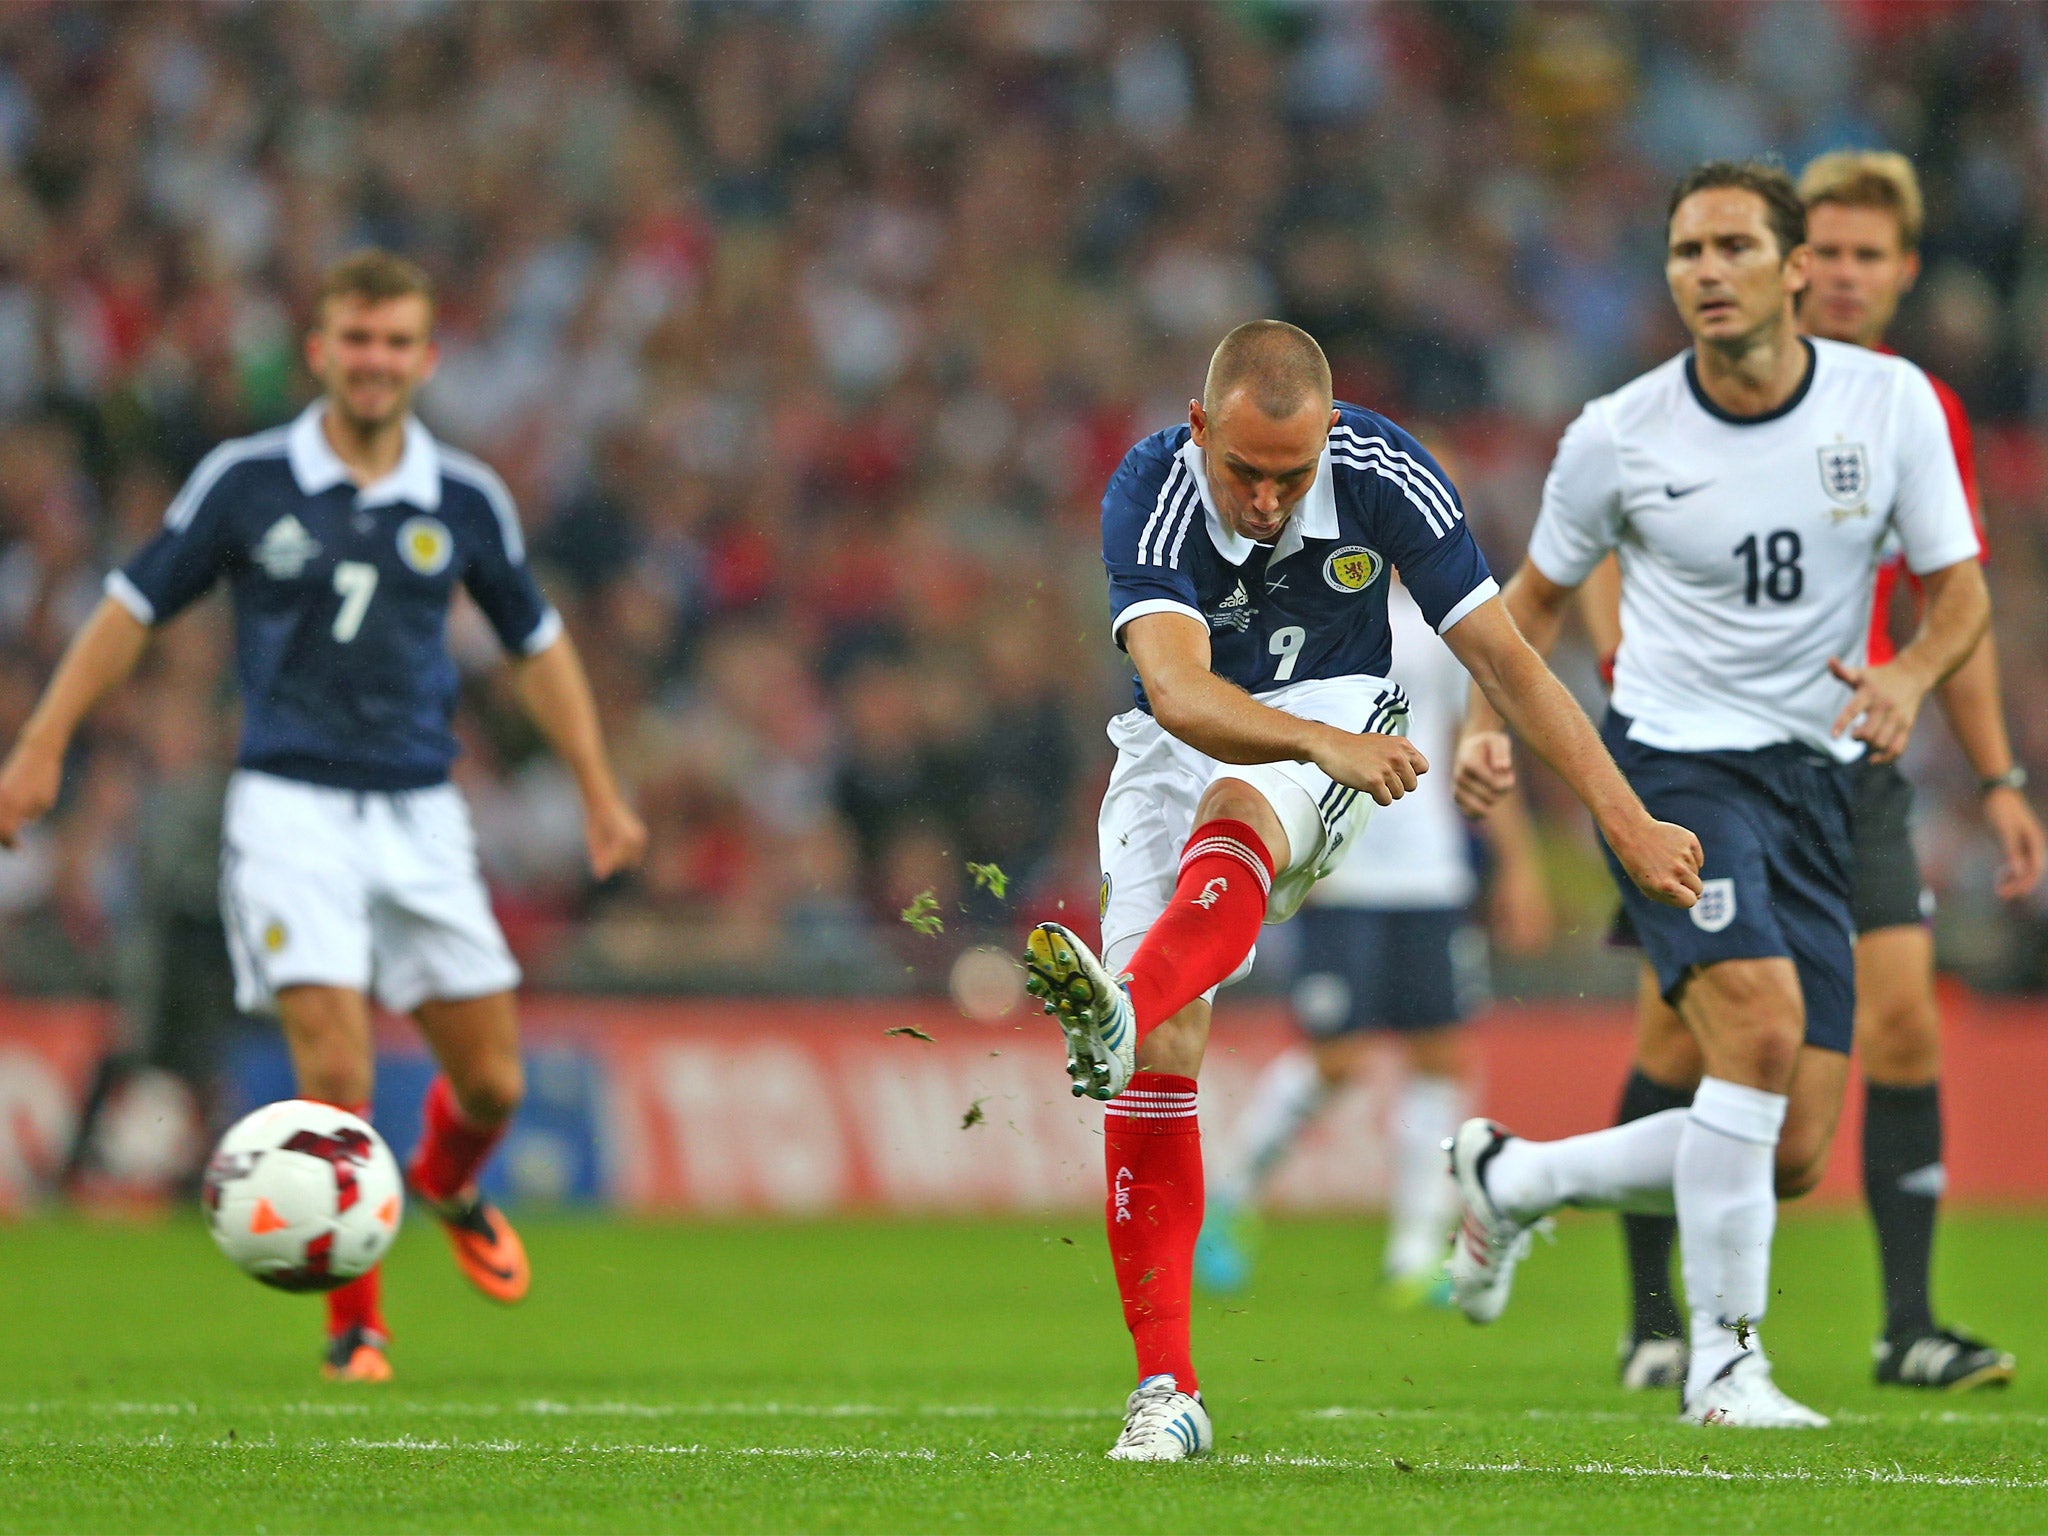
{"points": [[487, 1249], [357, 1355]]}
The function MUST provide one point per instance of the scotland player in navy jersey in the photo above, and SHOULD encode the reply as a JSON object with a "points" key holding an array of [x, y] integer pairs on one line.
{"points": [[1248, 555], [348, 863]]}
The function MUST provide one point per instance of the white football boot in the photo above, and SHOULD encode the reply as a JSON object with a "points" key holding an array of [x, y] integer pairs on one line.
{"points": [[1743, 1396], [1163, 1423], [1091, 1006], [1652, 1365], [1488, 1244]]}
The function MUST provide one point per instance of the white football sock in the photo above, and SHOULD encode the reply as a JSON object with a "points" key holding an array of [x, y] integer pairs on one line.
{"points": [[1286, 1095], [1727, 1211], [1422, 1205], [1625, 1167]]}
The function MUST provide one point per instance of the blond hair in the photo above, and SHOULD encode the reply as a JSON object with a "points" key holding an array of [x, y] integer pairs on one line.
{"points": [[1868, 178], [373, 276]]}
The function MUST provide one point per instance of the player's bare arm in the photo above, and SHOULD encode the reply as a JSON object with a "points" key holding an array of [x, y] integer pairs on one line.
{"points": [[1600, 609], [1215, 717], [1518, 689], [1973, 700], [98, 660], [1519, 912], [1887, 698], [556, 695]]}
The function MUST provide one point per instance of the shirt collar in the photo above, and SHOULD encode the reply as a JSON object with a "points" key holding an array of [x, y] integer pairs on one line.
{"points": [[1315, 518], [317, 467]]}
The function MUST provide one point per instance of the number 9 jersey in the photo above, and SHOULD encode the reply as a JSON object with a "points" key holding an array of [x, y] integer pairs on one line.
{"points": [[1749, 546], [1313, 604], [341, 597]]}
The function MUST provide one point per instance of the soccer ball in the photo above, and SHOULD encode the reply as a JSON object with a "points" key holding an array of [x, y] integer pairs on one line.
{"points": [[303, 1196]]}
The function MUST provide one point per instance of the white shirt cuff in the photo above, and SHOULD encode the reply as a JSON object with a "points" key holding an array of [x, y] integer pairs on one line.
{"points": [[545, 633], [1479, 594], [1151, 605], [129, 596], [1954, 553]]}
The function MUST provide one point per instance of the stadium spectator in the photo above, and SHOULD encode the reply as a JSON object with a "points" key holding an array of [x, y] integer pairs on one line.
{"points": [[754, 307]]}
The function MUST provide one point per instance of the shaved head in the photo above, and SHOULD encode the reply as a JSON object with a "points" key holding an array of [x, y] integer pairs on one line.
{"points": [[1278, 365]]}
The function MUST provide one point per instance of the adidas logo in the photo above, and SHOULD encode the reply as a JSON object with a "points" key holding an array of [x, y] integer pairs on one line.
{"points": [[1234, 612], [285, 550]]}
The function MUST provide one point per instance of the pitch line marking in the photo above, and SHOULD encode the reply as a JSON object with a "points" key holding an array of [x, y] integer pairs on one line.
{"points": [[1845, 1476]]}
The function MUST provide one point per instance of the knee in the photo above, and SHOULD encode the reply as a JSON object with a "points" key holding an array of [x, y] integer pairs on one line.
{"points": [[336, 1077], [1801, 1162], [1899, 1040], [1231, 800], [1794, 1177], [489, 1092], [1759, 1021], [1774, 1054]]}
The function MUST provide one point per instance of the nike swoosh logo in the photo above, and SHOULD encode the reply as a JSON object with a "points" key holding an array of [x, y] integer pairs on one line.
{"points": [[1676, 491]]}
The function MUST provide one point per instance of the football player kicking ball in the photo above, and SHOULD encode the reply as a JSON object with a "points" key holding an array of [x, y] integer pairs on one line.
{"points": [[348, 863], [1247, 556], [1749, 487], [1864, 217]]}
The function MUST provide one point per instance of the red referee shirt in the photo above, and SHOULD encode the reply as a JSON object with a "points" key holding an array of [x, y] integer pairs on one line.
{"points": [[1881, 648]]}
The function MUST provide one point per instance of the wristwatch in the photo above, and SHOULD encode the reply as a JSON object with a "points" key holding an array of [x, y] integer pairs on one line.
{"points": [[2014, 777]]}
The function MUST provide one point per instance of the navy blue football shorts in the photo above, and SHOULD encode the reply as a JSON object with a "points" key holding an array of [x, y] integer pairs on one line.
{"points": [[1775, 826], [1399, 969]]}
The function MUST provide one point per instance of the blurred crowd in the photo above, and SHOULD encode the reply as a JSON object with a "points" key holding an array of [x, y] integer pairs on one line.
{"points": [[806, 335]]}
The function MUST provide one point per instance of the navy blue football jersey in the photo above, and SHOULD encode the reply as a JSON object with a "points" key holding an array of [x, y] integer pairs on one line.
{"points": [[1313, 604], [341, 597]]}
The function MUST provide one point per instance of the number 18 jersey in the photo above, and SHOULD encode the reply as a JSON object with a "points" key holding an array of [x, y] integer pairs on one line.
{"points": [[1749, 545]]}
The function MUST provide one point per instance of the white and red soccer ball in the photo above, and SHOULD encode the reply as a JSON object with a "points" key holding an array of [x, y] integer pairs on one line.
{"points": [[303, 1196]]}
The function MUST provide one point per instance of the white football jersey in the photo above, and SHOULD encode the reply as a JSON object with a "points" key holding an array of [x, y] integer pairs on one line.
{"points": [[1749, 546], [1416, 852]]}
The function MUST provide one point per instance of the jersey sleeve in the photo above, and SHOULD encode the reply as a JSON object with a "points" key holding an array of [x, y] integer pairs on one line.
{"points": [[1147, 514], [1421, 523], [1931, 515], [1580, 521], [175, 568], [1963, 442], [501, 581]]}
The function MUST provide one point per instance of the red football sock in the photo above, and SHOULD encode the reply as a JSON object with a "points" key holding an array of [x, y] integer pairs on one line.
{"points": [[1153, 1149], [451, 1149], [358, 1304], [1208, 927]]}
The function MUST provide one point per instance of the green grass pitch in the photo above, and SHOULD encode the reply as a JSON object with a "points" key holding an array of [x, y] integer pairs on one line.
{"points": [[873, 1376]]}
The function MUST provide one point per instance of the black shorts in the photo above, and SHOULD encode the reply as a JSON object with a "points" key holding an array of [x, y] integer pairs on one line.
{"points": [[1888, 891], [1775, 827], [1386, 968]]}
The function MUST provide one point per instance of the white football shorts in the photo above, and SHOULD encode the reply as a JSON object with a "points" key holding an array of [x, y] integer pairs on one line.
{"points": [[362, 889], [1148, 813]]}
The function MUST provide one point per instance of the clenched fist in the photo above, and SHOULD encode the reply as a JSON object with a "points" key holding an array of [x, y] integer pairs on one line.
{"points": [[1385, 767], [1662, 858], [29, 780], [1484, 772]]}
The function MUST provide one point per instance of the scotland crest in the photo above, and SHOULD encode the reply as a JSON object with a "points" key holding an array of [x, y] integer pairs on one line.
{"points": [[1715, 909], [1844, 472]]}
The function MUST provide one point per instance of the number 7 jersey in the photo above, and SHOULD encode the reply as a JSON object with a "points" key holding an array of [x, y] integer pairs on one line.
{"points": [[341, 597], [1749, 545], [1312, 604]]}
